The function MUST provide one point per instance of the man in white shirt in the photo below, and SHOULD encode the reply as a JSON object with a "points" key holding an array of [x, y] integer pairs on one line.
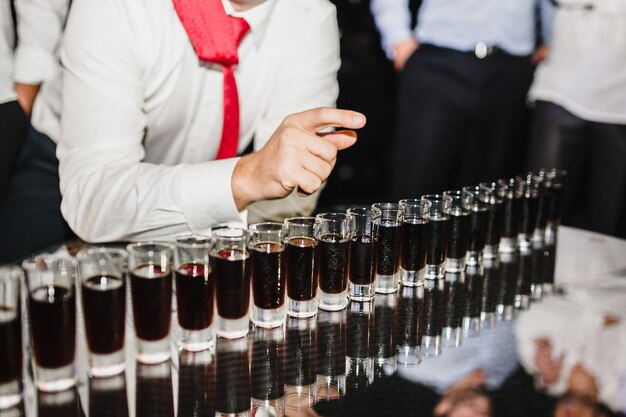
{"points": [[142, 117], [30, 215], [579, 121]]}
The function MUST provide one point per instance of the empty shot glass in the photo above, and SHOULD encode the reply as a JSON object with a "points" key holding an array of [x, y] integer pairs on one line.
{"points": [[413, 241], [302, 266], [230, 262], [10, 336], [362, 254], [150, 267], [52, 310], [268, 274], [437, 234], [103, 290], [479, 199], [333, 232], [194, 292], [459, 230], [387, 226]]}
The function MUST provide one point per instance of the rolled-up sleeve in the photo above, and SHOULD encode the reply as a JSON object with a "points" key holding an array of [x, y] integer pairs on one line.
{"points": [[393, 20]]}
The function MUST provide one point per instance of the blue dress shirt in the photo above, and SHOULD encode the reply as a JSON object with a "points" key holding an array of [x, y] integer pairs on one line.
{"points": [[462, 24]]}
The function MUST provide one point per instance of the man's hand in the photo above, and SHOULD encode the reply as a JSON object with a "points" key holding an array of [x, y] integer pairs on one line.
{"points": [[540, 54], [547, 368], [295, 156], [26, 94], [402, 51]]}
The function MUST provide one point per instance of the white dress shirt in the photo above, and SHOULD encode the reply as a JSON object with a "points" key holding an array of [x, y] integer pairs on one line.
{"points": [[142, 117], [40, 31], [6, 53], [585, 71]]}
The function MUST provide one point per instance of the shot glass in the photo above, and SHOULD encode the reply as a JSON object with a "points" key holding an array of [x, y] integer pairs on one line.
{"points": [[230, 262], [497, 191], [103, 290], [194, 293], [413, 241], [459, 230], [530, 210], [52, 310], [437, 234], [333, 232], [362, 254], [479, 199], [387, 227], [10, 336], [302, 266], [150, 265], [268, 274]]}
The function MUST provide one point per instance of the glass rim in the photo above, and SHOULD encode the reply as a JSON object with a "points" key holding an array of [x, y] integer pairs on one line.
{"points": [[435, 198], [332, 215], [299, 221], [231, 233], [32, 263], [414, 202], [89, 250], [271, 227], [360, 211], [11, 273], [133, 246], [193, 241], [386, 206]]}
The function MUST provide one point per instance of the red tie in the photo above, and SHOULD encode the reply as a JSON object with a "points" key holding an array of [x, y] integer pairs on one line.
{"points": [[215, 36]]}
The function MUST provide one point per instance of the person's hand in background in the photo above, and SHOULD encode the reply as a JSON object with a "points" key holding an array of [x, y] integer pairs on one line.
{"points": [[402, 51], [26, 95]]}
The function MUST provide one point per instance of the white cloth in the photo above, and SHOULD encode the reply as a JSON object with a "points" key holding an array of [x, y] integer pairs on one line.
{"points": [[6, 53], [584, 71], [40, 31], [142, 118]]}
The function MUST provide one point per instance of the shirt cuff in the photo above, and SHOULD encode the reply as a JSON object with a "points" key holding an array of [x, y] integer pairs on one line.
{"points": [[393, 36], [34, 65], [207, 196]]}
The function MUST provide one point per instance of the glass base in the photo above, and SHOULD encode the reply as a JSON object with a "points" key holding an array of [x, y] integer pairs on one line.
{"points": [[10, 394], [490, 252], [386, 284], [299, 398], [196, 340], [408, 355], [451, 337], [504, 313], [474, 258], [471, 326], [522, 302], [488, 320], [268, 318], [55, 380], [333, 302], [297, 308], [508, 245], [455, 264], [359, 292], [435, 271], [431, 346], [106, 365], [233, 328], [153, 351], [275, 407], [384, 367], [412, 278]]}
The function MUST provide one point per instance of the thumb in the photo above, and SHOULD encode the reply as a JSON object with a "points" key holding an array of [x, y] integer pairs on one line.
{"points": [[342, 139]]}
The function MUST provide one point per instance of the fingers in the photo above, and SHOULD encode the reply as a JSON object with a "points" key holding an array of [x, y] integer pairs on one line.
{"points": [[342, 139], [317, 166], [324, 117]]}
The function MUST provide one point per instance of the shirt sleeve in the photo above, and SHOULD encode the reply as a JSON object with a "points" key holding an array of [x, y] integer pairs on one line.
{"points": [[40, 29], [547, 10], [109, 192], [6, 53], [393, 20], [308, 81]]}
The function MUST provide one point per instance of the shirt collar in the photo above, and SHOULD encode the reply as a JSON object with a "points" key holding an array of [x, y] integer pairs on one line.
{"points": [[257, 17]]}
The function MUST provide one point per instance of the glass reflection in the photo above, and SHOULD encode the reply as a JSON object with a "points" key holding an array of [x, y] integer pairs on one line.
{"points": [[300, 367], [409, 329], [196, 384], [267, 372], [154, 390], [454, 302], [331, 348], [491, 289], [385, 321], [57, 404], [474, 278], [359, 345], [232, 377], [107, 397]]}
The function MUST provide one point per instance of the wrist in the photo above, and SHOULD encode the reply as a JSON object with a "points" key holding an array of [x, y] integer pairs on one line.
{"points": [[245, 190]]}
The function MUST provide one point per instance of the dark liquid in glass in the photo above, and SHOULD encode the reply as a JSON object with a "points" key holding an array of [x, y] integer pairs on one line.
{"points": [[510, 220], [53, 325], [104, 300], [10, 344], [454, 297], [457, 243], [509, 268], [333, 255], [413, 255], [388, 256], [545, 203], [232, 280], [151, 290], [268, 275], [438, 230], [491, 286], [433, 309], [494, 225], [530, 211], [478, 230], [362, 250], [525, 274], [194, 296], [301, 268]]}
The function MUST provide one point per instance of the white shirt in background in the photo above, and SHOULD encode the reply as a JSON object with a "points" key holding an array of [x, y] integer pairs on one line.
{"points": [[6, 53], [585, 71], [142, 118]]}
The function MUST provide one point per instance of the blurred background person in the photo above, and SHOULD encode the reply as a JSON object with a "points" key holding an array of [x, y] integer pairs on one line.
{"points": [[30, 216], [579, 120], [466, 70]]}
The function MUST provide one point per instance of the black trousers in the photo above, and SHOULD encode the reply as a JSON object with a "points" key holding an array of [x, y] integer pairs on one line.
{"points": [[30, 217], [461, 120], [13, 123], [594, 154]]}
